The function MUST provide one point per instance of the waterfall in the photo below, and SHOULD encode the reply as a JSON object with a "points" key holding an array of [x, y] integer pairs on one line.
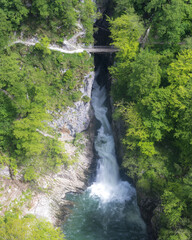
{"points": [[108, 209], [108, 186]]}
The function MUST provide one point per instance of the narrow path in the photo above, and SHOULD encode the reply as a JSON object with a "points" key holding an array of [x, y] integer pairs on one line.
{"points": [[66, 49], [51, 47]]}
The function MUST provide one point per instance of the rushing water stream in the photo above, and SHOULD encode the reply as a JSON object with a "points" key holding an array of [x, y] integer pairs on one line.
{"points": [[107, 210]]}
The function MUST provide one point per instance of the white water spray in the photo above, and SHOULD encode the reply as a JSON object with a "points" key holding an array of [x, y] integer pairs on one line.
{"points": [[108, 185]]}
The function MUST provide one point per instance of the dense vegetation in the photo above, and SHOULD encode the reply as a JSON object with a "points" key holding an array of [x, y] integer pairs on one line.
{"points": [[36, 84], [54, 18], [152, 88], [27, 228], [33, 86]]}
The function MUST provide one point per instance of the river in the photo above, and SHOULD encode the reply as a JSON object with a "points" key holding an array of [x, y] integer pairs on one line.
{"points": [[107, 210]]}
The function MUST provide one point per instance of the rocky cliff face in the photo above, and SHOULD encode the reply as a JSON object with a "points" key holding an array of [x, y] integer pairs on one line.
{"points": [[76, 119], [50, 200], [49, 191]]}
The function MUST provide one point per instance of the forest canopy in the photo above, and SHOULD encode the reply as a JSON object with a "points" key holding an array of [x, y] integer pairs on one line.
{"points": [[152, 88]]}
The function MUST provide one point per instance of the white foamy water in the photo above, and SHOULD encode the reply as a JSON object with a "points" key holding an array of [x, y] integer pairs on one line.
{"points": [[107, 210], [108, 185]]}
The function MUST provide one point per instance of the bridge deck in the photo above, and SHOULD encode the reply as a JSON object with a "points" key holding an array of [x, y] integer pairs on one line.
{"points": [[101, 49]]}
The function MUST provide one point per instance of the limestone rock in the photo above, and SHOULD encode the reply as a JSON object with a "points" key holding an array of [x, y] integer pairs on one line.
{"points": [[76, 119], [49, 191]]}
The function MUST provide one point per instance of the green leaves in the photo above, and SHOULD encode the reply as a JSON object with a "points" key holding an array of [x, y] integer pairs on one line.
{"points": [[5, 29], [43, 46], [173, 208], [29, 141], [154, 108], [125, 32], [169, 21], [122, 7], [88, 16], [145, 75], [15, 11], [154, 94], [42, 7], [180, 71], [55, 18], [33, 88], [27, 228]]}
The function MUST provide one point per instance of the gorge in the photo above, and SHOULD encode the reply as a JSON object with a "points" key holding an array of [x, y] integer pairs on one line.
{"points": [[108, 207], [138, 118]]}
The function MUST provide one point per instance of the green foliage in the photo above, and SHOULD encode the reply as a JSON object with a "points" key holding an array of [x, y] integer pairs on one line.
{"points": [[173, 208], [179, 76], [187, 43], [41, 7], [86, 99], [30, 86], [65, 11], [180, 234], [152, 89], [5, 29], [170, 21], [78, 142], [68, 79], [155, 115], [122, 7], [179, 71], [28, 139], [55, 154], [125, 32], [13, 226], [43, 46], [88, 16], [76, 96], [15, 10], [145, 75], [30, 174], [54, 18], [172, 16], [120, 72]]}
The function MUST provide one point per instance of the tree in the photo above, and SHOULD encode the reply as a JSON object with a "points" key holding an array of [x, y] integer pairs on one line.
{"points": [[88, 16], [13, 226], [168, 19], [43, 45], [180, 79], [125, 32], [65, 11], [155, 114], [122, 6], [145, 75], [5, 29], [173, 208], [41, 8], [15, 11]]}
